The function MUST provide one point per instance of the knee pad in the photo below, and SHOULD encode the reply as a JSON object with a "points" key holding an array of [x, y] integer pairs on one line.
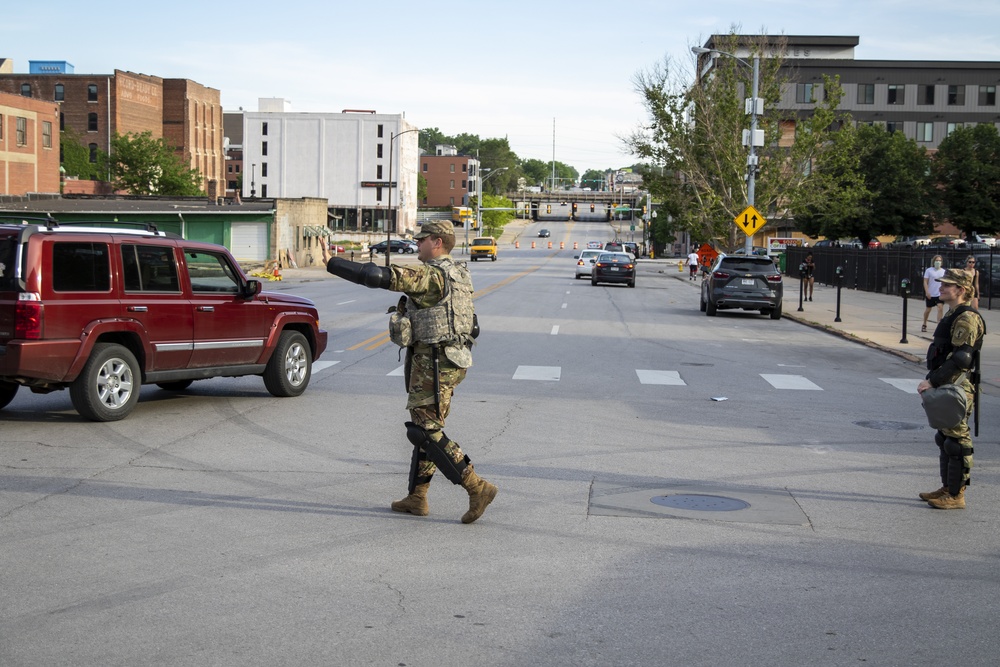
{"points": [[953, 448], [939, 439], [435, 450], [416, 459]]}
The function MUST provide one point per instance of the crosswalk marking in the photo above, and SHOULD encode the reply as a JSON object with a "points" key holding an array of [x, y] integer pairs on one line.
{"points": [[660, 377], [543, 373], [555, 330], [790, 382], [906, 384], [323, 365], [399, 372]]}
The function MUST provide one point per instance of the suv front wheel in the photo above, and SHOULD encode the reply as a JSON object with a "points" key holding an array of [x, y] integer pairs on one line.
{"points": [[108, 388], [290, 367]]}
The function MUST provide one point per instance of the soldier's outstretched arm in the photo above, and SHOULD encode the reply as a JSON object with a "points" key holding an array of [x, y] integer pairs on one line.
{"points": [[369, 274]]}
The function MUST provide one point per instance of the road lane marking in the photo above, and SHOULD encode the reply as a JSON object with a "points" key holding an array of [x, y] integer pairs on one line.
{"points": [[542, 373], [908, 385], [555, 330], [660, 377], [790, 382], [323, 365]]}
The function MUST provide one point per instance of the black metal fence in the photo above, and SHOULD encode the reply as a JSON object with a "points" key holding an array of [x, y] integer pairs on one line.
{"points": [[883, 270]]}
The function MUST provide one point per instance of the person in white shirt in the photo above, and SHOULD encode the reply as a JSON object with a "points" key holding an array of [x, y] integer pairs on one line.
{"points": [[932, 289], [693, 262]]}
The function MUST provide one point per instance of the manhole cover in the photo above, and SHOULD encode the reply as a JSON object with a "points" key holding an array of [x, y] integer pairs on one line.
{"points": [[700, 502], [890, 426]]}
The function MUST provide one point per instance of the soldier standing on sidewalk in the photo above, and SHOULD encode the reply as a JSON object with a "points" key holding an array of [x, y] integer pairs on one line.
{"points": [[436, 324], [957, 340]]}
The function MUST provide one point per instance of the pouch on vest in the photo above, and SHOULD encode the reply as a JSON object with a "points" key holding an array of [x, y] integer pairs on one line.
{"points": [[946, 406], [400, 327]]}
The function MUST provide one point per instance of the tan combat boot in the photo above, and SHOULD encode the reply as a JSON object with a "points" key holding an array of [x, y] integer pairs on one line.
{"points": [[949, 502], [933, 495], [481, 494], [415, 503]]}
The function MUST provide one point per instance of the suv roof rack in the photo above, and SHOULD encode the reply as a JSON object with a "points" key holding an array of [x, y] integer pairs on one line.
{"points": [[46, 220], [122, 225]]}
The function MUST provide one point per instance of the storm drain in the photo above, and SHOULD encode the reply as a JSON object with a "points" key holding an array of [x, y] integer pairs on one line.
{"points": [[701, 503], [704, 502]]}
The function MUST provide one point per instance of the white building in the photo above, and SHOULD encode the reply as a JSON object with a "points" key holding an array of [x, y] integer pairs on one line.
{"points": [[346, 158]]}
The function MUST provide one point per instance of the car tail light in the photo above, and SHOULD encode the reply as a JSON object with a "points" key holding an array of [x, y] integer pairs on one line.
{"points": [[721, 275], [29, 316], [776, 278], [580, 263]]}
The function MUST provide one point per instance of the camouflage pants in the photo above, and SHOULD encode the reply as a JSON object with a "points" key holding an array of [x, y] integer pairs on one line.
{"points": [[421, 401], [961, 434]]}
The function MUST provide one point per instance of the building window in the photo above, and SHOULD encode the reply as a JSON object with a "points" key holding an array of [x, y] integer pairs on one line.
{"points": [[263, 148], [894, 126], [60, 92], [46, 134], [229, 168], [379, 131], [21, 136], [263, 190], [93, 153], [378, 171], [62, 122], [378, 193], [263, 129], [956, 96], [463, 168], [26, 89], [925, 131], [897, 94], [451, 201], [378, 150], [237, 167], [425, 166], [464, 185], [925, 94], [805, 93], [987, 96], [954, 126], [92, 92], [230, 185], [452, 186], [91, 122], [866, 93], [452, 168], [263, 169]]}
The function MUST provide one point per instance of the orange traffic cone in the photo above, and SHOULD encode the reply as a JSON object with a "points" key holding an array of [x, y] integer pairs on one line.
{"points": [[277, 272]]}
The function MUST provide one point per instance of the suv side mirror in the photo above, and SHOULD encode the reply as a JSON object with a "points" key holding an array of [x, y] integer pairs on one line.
{"points": [[251, 289]]}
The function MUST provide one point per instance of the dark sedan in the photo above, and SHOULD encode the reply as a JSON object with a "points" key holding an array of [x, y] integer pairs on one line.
{"points": [[750, 283], [613, 267], [544, 234], [398, 246]]}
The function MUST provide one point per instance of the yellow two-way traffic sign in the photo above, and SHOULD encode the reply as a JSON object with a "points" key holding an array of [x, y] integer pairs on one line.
{"points": [[750, 220]]}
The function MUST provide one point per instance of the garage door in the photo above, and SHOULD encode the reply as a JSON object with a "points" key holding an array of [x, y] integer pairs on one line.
{"points": [[249, 241]]}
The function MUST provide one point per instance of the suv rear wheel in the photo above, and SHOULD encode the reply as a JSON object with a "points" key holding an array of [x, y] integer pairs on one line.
{"points": [[290, 367], [108, 388], [710, 308], [7, 392], [776, 313]]}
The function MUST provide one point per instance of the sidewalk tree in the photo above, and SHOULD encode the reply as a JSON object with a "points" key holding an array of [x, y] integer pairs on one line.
{"points": [[694, 135], [494, 221], [143, 165], [966, 170]]}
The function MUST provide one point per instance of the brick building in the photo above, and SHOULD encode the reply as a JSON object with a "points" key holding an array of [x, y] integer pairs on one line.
{"points": [[97, 106], [451, 178], [29, 145]]}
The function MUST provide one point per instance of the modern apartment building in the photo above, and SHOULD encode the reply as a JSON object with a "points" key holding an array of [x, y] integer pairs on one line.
{"points": [[362, 162], [451, 178], [97, 106], [924, 99]]}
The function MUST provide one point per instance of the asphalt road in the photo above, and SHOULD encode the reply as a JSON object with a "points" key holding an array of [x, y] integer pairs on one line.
{"points": [[674, 490]]}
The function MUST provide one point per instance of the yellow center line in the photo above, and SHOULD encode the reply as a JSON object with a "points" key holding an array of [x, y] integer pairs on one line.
{"points": [[381, 339]]}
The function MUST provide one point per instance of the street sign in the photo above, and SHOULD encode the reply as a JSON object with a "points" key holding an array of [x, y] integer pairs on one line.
{"points": [[750, 220]]}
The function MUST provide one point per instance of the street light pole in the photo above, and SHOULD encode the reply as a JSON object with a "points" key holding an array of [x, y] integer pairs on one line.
{"points": [[755, 107], [388, 229]]}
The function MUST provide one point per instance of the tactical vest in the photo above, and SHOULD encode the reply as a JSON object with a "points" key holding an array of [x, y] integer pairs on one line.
{"points": [[941, 346], [450, 320]]}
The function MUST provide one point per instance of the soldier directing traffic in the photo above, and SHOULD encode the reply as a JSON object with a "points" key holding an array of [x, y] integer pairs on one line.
{"points": [[435, 321]]}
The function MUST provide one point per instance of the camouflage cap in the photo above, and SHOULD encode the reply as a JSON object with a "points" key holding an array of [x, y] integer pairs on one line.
{"points": [[957, 277], [436, 228]]}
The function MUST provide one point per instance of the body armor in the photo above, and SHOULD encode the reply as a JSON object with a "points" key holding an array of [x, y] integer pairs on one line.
{"points": [[941, 346], [449, 323]]}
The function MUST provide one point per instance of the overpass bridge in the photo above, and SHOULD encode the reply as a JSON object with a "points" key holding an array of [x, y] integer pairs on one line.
{"points": [[581, 205]]}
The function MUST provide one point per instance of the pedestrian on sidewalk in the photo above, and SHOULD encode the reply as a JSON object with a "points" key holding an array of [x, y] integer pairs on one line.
{"points": [[950, 358], [692, 264], [809, 277], [970, 266], [932, 289]]}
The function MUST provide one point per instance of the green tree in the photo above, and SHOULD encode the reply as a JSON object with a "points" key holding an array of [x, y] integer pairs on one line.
{"points": [[142, 165], [494, 221], [535, 171], [430, 138], [704, 164], [966, 170], [595, 179], [421, 187], [76, 158], [495, 154]]}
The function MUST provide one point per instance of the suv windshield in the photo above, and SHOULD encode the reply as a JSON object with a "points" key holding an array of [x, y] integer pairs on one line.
{"points": [[747, 264]]}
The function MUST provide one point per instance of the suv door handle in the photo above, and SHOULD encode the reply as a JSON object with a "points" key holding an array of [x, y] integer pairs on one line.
{"points": [[138, 309], [206, 309]]}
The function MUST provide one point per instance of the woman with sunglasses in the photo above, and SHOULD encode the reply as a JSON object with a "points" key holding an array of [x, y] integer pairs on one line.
{"points": [[970, 266]]}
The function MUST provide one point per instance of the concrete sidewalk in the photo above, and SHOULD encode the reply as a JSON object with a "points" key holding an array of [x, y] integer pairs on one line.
{"points": [[876, 320]]}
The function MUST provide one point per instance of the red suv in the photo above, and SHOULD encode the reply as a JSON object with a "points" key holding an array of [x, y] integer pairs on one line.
{"points": [[102, 311]]}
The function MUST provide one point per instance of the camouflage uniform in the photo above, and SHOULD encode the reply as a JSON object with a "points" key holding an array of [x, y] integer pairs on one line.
{"points": [[424, 286]]}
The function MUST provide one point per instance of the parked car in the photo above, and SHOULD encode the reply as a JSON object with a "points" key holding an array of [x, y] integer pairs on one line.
{"points": [[910, 241], [585, 262], [101, 311], [543, 233], [613, 267], [750, 283], [874, 244], [397, 245], [944, 243], [760, 251]]}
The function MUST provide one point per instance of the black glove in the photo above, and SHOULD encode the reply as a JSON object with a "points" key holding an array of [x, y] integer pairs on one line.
{"points": [[368, 274]]}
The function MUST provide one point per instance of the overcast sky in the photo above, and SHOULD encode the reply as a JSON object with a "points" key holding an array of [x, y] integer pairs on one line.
{"points": [[496, 69]]}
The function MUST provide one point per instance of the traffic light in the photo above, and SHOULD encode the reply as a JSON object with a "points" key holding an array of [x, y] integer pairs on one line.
{"points": [[574, 207], [591, 208], [548, 208]]}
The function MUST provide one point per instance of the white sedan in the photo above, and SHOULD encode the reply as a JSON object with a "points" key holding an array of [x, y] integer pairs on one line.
{"points": [[585, 262]]}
